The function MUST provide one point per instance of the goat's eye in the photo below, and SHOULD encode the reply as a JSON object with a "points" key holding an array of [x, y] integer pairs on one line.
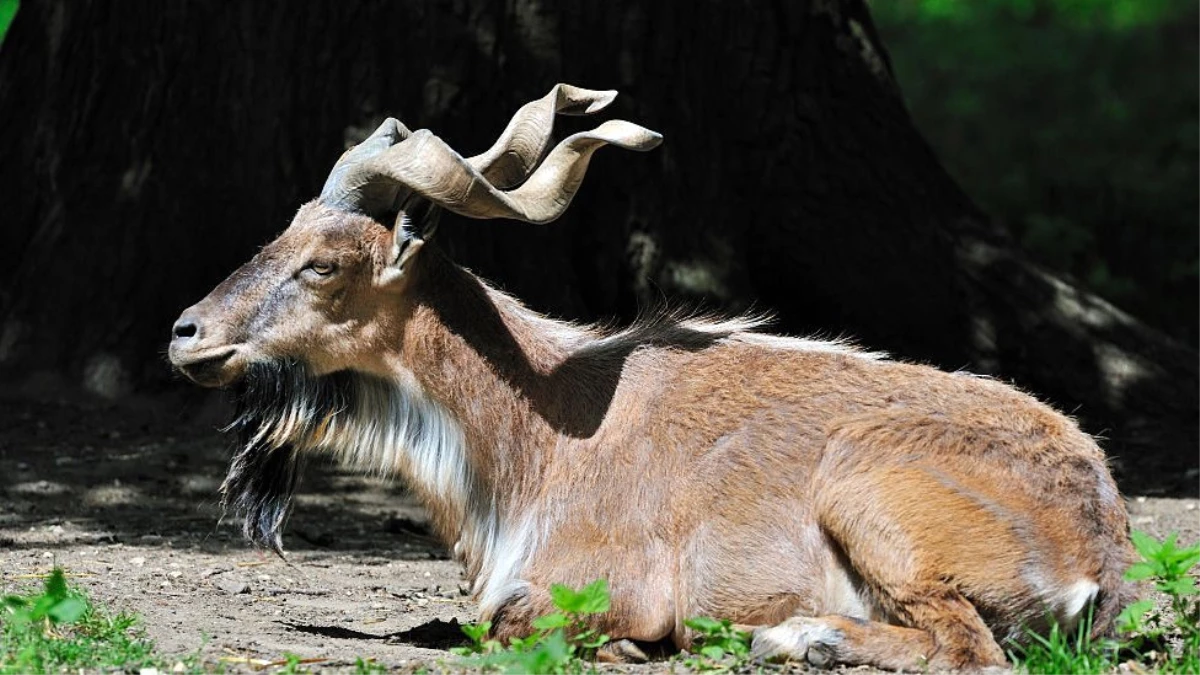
{"points": [[321, 268]]}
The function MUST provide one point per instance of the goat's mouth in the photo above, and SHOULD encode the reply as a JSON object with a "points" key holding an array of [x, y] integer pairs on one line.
{"points": [[214, 367]]}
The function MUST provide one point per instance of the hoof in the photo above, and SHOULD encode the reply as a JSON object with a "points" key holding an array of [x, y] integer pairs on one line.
{"points": [[621, 651], [798, 639]]}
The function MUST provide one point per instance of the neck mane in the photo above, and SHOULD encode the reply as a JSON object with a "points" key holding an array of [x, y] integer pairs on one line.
{"points": [[479, 394]]}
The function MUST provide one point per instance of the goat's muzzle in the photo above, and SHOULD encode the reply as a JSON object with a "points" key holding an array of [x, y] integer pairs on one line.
{"points": [[200, 360]]}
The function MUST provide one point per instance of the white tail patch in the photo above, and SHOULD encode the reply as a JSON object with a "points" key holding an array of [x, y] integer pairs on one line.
{"points": [[1068, 603]]}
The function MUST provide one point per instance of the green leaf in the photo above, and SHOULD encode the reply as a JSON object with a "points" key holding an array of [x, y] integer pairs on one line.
{"points": [[67, 610], [476, 631], [703, 625], [56, 584], [556, 646], [1188, 558], [713, 652], [1130, 618], [522, 644], [591, 599], [41, 607], [551, 621], [1139, 571], [565, 598], [594, 642], [1183, 586], [739, 644], [595, 597], [1146, 546], [14, 602]]}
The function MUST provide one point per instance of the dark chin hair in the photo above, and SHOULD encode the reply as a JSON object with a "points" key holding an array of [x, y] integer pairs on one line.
{"points": [[263, 476]]}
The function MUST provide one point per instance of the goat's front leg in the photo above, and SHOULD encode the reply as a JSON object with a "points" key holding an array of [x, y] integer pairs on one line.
{"points": [[828, 640], [515, 619]]}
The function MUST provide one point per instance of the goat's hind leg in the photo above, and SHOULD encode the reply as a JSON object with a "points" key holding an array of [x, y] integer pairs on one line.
{"points": [[920, 548]]}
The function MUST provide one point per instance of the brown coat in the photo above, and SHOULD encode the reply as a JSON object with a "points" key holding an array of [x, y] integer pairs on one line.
{"points": [[857, 508]]}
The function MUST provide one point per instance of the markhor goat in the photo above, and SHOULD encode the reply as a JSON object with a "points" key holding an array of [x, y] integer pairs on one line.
{"points": [[848, 507]]}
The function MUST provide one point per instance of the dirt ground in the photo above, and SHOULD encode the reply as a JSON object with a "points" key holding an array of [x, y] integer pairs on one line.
{"points": [[125, 498]]}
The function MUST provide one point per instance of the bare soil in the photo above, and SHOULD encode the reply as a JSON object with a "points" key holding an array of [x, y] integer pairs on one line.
{"points": [[124, 497]]}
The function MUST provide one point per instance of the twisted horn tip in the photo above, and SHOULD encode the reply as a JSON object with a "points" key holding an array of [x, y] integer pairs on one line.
{"points": [[579, 101]]}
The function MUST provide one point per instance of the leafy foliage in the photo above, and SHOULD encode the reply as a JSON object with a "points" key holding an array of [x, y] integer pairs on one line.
{"points": [[1074, 122], [59, 629], [1171, 644], [561, 643], [718, 647], [1150, 638]]}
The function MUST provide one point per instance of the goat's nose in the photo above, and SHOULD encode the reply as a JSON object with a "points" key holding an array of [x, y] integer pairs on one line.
{"points": [[185, 328]]}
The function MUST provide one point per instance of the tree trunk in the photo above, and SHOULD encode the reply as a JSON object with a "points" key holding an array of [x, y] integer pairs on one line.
{"points": [[150, 147]]}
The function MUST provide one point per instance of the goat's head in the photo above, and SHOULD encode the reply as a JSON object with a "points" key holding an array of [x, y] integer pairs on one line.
{"points": [[314, 294], [328, 295]]}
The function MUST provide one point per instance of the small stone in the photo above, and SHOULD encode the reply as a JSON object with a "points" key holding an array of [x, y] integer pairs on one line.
{"points": [[57, 529], [138, 561], [234, 587], [175, 575]]}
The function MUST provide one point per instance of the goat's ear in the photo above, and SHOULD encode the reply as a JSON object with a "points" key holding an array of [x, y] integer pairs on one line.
{"points": [[405, 243]]}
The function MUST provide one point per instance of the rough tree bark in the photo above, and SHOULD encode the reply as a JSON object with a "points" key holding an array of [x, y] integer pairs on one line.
{"points": [[149, 147]]}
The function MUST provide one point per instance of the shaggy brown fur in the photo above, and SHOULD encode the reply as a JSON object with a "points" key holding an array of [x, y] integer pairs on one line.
{"points": [[858, 509]]}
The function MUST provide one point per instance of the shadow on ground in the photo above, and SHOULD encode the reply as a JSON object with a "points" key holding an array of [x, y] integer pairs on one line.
{"points": [[147, 475]]}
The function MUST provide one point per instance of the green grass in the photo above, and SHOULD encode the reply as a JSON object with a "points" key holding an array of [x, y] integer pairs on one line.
{"points": [[1157, 641], [719, 647], [561, 643], [1060, 652], [58, 629]]}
